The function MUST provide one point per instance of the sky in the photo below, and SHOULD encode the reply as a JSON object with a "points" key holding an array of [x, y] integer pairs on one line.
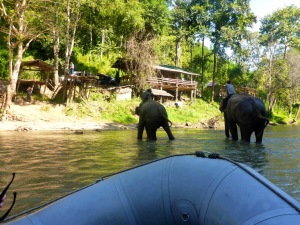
{"points": [[262, 8]]}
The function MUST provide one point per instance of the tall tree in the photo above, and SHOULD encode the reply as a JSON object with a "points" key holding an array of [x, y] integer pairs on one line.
{"points": [[24, 24], [282, 26], [200, 25], [72, 20], [279, 31], [180, 15], [229, 21], [293, 58]]}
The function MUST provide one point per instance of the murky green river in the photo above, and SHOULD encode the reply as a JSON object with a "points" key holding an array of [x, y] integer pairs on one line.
{"points": [[51, 164]]}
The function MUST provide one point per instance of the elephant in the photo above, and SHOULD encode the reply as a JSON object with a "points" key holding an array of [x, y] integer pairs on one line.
{"points": [[152, 115], [249, 113]]}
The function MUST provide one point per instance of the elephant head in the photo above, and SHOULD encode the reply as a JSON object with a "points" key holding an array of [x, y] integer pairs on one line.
{"points": [[147, 95], [152, 115], [249, 113]]}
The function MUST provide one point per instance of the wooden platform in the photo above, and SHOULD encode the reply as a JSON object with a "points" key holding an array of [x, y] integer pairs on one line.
{"points": [[170, 84]]}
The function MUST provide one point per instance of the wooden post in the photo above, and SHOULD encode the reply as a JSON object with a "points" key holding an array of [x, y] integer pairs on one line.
{"points": [[176, 90], [161, 83]]}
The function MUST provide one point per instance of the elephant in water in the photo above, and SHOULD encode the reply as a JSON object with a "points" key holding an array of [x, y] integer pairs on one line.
{"points": [[249, 113], [152, 115]]}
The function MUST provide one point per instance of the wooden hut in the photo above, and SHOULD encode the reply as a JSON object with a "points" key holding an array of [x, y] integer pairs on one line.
{"points": [[171, 78]]}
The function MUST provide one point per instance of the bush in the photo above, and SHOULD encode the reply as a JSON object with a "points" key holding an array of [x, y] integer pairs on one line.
{"points": [[4, 63], [277, 118]]}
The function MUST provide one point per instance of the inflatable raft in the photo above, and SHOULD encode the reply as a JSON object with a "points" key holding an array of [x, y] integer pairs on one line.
{"points": [[175, 190]]}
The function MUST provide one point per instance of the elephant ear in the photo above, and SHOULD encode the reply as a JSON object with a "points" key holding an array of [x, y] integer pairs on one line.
{"points": [[137, 110], [221, 106]]}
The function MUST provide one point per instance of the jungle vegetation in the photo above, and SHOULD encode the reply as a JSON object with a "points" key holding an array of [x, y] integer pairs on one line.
{"points": [[210, 37]]}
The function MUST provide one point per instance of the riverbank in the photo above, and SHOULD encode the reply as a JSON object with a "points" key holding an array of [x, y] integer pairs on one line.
{"points": [[43, 116]]}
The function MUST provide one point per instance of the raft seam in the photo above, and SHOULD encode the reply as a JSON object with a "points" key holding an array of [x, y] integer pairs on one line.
{"points": [[125, 202], [166, 192], [212, 189], [269, 215]]}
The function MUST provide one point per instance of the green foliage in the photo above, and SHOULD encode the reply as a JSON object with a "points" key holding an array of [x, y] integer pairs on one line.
{"points": [[296, 105], [120, 112], [124, 111], [147, 32], [193, 112], [94, 64], [45, 108], [277, 118], [4, 63]]}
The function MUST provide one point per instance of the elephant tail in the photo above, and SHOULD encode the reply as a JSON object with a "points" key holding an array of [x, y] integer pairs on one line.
{"points": [[170, 123], [264, 118]]}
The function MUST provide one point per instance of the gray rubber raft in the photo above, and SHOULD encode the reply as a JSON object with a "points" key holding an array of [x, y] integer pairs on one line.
{"points": [[171, 191]]}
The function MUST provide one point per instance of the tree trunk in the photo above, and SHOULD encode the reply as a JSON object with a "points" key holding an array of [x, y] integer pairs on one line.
{"points": [[91, 41], [202, 66], [297, 113], [56, 56], [178, 53], [70, 40], [214, 75], [102, 43], [56, 42], [19, 37], [272, 102]]}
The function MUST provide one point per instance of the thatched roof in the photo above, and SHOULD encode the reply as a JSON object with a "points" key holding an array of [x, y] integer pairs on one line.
{"points": [[38, 65]]}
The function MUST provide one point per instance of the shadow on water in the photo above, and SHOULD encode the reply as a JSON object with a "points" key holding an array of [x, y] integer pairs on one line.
{"points": [[251, 154]]}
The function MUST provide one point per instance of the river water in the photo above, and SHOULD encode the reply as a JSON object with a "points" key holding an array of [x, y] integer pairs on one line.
{"points": [[49, 165]]}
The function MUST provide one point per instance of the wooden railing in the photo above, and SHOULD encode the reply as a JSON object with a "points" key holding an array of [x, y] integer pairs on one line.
{"points": [[170, 83]]}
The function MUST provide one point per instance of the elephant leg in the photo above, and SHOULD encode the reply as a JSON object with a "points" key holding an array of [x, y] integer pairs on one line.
{"points": [[246, 135], [259, 135], [168, 131], [242, 134], [140, 130], [233, 131], [151, 131], [226, 126]]}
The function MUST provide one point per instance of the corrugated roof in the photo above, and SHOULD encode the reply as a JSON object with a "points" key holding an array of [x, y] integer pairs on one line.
{"points": [[161, 93], [174, 69], [37, 64]]}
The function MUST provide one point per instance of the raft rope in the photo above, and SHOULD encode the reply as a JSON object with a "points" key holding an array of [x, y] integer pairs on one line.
{"points": [[197, 154], [3, 194]]}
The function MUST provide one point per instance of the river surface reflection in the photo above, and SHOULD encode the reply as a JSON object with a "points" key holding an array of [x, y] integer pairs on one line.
{"points": [[51, 164]]}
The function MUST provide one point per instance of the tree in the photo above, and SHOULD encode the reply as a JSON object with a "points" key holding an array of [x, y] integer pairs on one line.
{"points": [[24, 24], [282, 26], [200, 25], [180, 15], [229, 20], [278, 32], [293, 58]]}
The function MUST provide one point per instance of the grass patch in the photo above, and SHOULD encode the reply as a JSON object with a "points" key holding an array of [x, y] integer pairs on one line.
{"points": [[194, 112], [124, 111], [277, 118], [45, 108]]}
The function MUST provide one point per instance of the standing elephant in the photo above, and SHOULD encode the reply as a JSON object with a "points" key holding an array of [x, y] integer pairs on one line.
{"points": [[249, 113], [152, 115]]}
